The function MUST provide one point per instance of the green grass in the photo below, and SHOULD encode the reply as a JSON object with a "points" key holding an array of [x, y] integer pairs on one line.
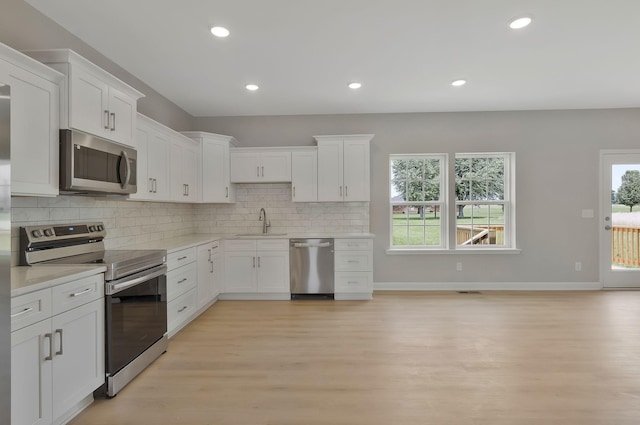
{"points": [[411, 229], [616, 208]]}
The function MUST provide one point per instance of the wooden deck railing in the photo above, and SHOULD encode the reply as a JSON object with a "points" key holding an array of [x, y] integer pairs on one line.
{"points": [[478, 234], [625, 246]]}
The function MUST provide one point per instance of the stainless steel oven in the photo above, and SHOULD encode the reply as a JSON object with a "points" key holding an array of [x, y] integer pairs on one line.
{"points": [[92, 165], [135, 293]]}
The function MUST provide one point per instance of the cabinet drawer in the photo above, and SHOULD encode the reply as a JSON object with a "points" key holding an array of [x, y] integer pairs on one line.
{"points": [[76, 293], [273, 245], [240, 245], [181, 309], [30, 308], [180, 258], [349, 282], [347, 261], [353, 244], [181, 280]]}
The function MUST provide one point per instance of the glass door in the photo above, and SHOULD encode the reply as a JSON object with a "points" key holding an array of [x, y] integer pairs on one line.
{"points": [[620, 219]]}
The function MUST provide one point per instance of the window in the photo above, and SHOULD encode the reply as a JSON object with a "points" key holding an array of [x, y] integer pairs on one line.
{"points": [[418, 213], [480, 202]]}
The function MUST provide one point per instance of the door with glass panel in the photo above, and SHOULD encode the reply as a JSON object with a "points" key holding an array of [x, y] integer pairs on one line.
{"points": [[620, 219]]}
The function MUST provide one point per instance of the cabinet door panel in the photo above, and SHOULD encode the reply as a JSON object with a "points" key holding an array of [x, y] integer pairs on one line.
{"points": [[89, 99], [330, 171], [356, 171], [273, 271], [78, 360], [240, 272], [275, 166], [304, 176], [145, 186], [31, 375], [122, 122], [190, 167], [159, 164], [215, 172], [245, 167]]}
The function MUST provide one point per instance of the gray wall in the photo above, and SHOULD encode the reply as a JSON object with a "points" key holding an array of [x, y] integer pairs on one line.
{"points": [[557, 154], [22, 27]]}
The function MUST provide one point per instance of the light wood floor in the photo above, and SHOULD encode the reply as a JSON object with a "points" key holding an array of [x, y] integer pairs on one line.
{"points": [[497, 358]]}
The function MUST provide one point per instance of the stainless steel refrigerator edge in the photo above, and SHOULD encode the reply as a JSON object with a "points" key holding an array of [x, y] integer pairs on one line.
{"points": [[311, 267], [5, 255]]}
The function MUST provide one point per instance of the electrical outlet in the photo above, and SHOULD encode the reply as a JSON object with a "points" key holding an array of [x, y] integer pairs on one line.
{"points": [[578, 266], [459, 266]]}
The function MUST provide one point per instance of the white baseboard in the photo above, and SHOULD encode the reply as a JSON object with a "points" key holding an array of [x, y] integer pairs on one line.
{"points": [[487, 286]]}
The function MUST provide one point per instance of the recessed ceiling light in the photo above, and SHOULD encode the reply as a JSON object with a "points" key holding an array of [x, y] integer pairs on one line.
{"points": [[355, 85], [252, 87], [458, 83], [220, 32], [519, 23]]}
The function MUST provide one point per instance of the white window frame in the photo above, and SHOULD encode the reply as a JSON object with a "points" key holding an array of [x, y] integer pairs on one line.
{"points": [[441, 203], [508, 202], [448, 202]]}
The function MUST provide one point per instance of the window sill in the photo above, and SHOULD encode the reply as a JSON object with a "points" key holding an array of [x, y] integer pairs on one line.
{"points": [[464, 251]]}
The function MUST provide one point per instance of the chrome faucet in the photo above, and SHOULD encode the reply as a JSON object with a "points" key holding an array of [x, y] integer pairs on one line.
{"points": [[263, 219]]}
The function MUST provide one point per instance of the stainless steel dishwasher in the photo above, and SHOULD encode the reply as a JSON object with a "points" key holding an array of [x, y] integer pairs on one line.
{"points": [[311, 267]]}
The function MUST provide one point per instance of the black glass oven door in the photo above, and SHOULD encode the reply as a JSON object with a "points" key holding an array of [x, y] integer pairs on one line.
{"points": [[136, 318]]}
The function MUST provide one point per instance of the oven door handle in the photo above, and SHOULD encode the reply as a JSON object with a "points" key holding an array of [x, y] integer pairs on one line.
{"points": [[139, 278]]}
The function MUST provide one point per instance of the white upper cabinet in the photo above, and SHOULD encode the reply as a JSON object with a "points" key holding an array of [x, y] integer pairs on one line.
{"points": [[343, 167], [260, 165], [185, 169], [304, 175], [215, 184], [34, 123], [153, 143], [93, 100]]}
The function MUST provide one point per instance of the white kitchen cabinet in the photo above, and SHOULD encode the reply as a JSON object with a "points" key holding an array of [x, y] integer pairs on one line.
{"points": [[92, 100], [185, 169], [215, 183], [353, 269], [153, 143], [343, 168], [182, 276], [265, 165], [304, 175], [208, 274], [58, 361], [34, 123], [257, 267]]}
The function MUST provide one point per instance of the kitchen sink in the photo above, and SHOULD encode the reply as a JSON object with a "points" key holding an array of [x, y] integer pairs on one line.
{"points": [[254, 235]]}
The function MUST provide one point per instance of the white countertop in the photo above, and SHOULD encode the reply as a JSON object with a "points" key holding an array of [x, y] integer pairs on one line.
{"points": [[26, 279], [188, 241]]}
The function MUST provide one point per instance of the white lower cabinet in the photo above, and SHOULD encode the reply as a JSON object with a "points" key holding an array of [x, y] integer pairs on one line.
{"points": [[57, 361], [208, 274], [256, 269], [182, 275], [353, 269]]}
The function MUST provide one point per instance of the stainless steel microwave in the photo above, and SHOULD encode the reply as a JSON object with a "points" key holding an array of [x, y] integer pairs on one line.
{"points": [[92, 165]]}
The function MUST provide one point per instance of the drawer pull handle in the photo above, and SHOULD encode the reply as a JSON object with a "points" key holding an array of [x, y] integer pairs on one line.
{"points": [[20, 313], [352, 282], [77, 294], [182, 309], [182, 258], [353, 261], [183, 280]]}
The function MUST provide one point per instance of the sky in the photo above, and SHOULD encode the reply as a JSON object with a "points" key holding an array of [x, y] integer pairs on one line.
{"points": [[617, 170]]}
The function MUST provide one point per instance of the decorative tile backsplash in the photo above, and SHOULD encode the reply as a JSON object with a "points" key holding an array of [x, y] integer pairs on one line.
{"points": [[134, 222]]}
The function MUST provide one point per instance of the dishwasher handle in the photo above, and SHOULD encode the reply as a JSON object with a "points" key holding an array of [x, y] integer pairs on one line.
{"points": [[311, 245]]}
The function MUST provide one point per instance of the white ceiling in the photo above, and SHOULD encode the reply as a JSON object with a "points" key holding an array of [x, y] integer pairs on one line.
{"points": [[302, 53]]}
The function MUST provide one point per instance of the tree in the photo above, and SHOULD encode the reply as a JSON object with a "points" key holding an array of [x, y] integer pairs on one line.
{"points": [[417, 180], [629, 191], [479, 179]]}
